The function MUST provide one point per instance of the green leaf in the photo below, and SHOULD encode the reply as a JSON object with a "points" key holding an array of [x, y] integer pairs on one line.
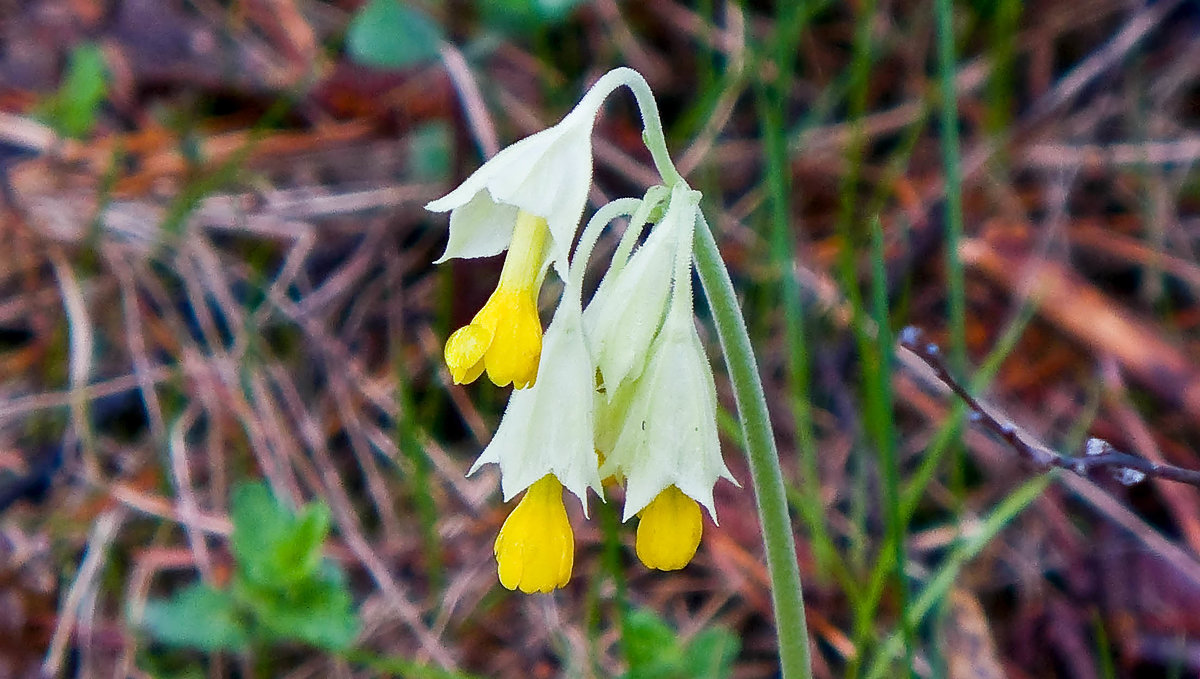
{"points": [[711, 653], [270, 544], [388, 34], [72, 110], [556, 10], [316, 610], [655, 652], [429, 152], [299, 550], [650, 646], [197, 617]]}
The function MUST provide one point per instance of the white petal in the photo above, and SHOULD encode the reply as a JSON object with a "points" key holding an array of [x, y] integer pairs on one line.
{"points": [[548, 427], [628, 308], [546, 174], [555, 184], [670, 432], [510, 158], [479, 228]]}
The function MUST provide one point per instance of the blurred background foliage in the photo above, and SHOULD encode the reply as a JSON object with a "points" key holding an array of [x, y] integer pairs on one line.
{"points": [[229, 447]]}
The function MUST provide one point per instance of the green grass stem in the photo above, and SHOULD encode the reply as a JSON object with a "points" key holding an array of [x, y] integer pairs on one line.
{"points": [[771, 102], [882, 423], [968, 548], [951, 161]]}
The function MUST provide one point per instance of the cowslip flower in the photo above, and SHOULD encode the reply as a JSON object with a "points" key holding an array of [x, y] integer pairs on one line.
{"points": [[623, 390], [663, 434], [545, 443], [547, 428], [527, 199]]}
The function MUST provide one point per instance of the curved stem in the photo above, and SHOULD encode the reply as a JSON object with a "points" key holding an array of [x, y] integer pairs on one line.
{"points": [[652, 129], [621, 207], [637, 222], [786, 593], [652, 134]]}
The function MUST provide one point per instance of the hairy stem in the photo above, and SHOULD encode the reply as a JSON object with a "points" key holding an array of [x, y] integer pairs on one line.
{"points": [[786, 593]]}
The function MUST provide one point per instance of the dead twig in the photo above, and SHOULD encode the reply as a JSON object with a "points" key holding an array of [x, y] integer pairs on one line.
{"points": [[1098, 455]]}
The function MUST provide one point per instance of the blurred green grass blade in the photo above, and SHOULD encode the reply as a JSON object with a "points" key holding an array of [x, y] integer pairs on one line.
{"points": [[885, 436], [610, 526], [858, 73], [206, 182], [1104, 649], [956, 296], [913, 491], [771, 103], [951, 162], [72, 110], [968, 548], [1004, 23]]}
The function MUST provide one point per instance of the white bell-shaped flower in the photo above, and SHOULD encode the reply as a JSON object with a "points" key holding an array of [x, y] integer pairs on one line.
{"points": [[546, 175], [548, 428], [628, 307], [668, 431]]}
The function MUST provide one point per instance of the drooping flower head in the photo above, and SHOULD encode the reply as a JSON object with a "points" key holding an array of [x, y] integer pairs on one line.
{"points": [[621, 390], [662, 426], [529, 199], [545, 441]]}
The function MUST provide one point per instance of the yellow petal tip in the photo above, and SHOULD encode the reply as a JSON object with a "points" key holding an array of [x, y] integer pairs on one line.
{"points": [[669, 530], [464, 352], [535, 549]]}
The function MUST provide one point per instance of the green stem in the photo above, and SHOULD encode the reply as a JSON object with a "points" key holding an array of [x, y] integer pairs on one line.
{"points": [[944, 11], [637, 222], [786, 593], [955, 286], [652, 127], [652, 130]]}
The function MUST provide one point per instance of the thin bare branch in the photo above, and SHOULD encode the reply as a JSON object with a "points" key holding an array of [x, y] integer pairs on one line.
{"points": [[1098, 455]]}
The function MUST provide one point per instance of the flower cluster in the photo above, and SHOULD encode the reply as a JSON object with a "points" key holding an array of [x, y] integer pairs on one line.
{"points": [[618, 389]]}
